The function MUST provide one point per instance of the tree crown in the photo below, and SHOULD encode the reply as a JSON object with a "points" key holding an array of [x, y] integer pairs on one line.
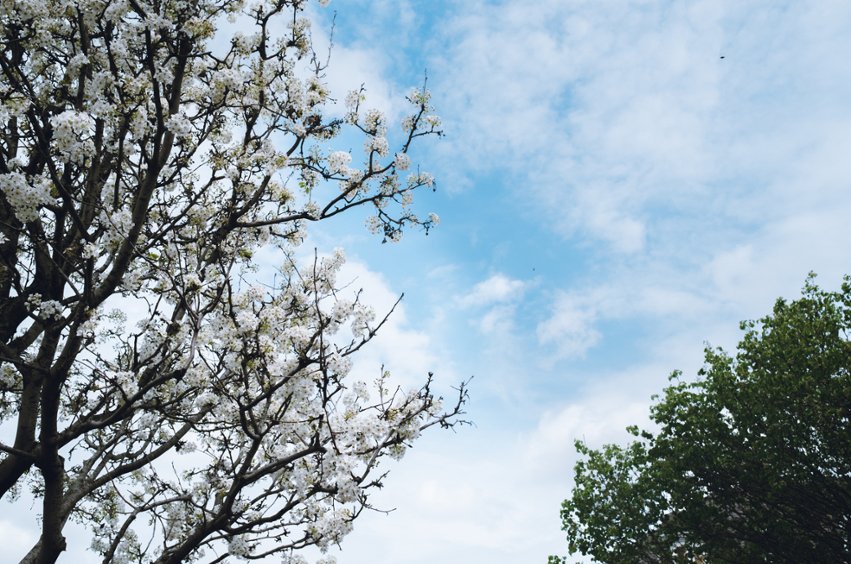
{"points": [[144, 162], [751, 462]]}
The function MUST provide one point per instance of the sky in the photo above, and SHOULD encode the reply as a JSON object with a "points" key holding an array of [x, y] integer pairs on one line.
{"points": [[621, 182]]}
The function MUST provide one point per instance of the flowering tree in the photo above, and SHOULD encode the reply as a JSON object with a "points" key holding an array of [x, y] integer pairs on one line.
{"points": [[143, 162]]}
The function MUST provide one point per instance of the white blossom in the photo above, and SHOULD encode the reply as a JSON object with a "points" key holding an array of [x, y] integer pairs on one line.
{"points": [[373, 223], [353, 100], [72, 132], [377, 144], [432, 121], [179, 124], [26, 195], [338, 162], [402, 161], [375, 123], [238, 547]]}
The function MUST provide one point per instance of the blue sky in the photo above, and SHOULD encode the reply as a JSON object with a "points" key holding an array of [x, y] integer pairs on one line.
{"points": [[613, 195]]}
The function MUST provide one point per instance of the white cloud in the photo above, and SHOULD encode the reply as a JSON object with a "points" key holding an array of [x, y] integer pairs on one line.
{"points": [[571, 327], [647, 294], [614, 117], [443, 271], [596, 420], [496, 289], [500, 294], [498, 321], [352, 67], [400, 346]]}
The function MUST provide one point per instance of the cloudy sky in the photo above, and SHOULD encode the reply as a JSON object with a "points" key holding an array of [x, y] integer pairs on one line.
{"points": [[621, 182], [614, 195]]}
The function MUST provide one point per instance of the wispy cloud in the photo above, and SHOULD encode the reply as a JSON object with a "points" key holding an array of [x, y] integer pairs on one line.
{"points": [[620, 116], [496, 289], [571, 327]]}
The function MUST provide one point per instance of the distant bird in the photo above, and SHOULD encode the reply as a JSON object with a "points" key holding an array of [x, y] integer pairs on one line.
{"points": [[722, 56]]}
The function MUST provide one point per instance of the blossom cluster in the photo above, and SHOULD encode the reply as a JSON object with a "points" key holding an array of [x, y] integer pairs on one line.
{"points": [[375, 123], [377, 144], [44, 309], [72, 135], [8, 377], [179, 124], [26, 195], [338, 162], [402, 161]]}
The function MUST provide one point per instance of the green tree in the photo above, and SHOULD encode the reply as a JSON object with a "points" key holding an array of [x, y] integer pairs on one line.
{"points": [[752, 463]]}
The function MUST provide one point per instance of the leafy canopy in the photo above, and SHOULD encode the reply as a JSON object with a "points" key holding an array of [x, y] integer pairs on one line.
{"points": [[752, 463]]}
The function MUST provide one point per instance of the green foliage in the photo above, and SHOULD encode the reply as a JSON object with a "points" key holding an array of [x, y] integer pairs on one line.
{"points": [[752, 462]]}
